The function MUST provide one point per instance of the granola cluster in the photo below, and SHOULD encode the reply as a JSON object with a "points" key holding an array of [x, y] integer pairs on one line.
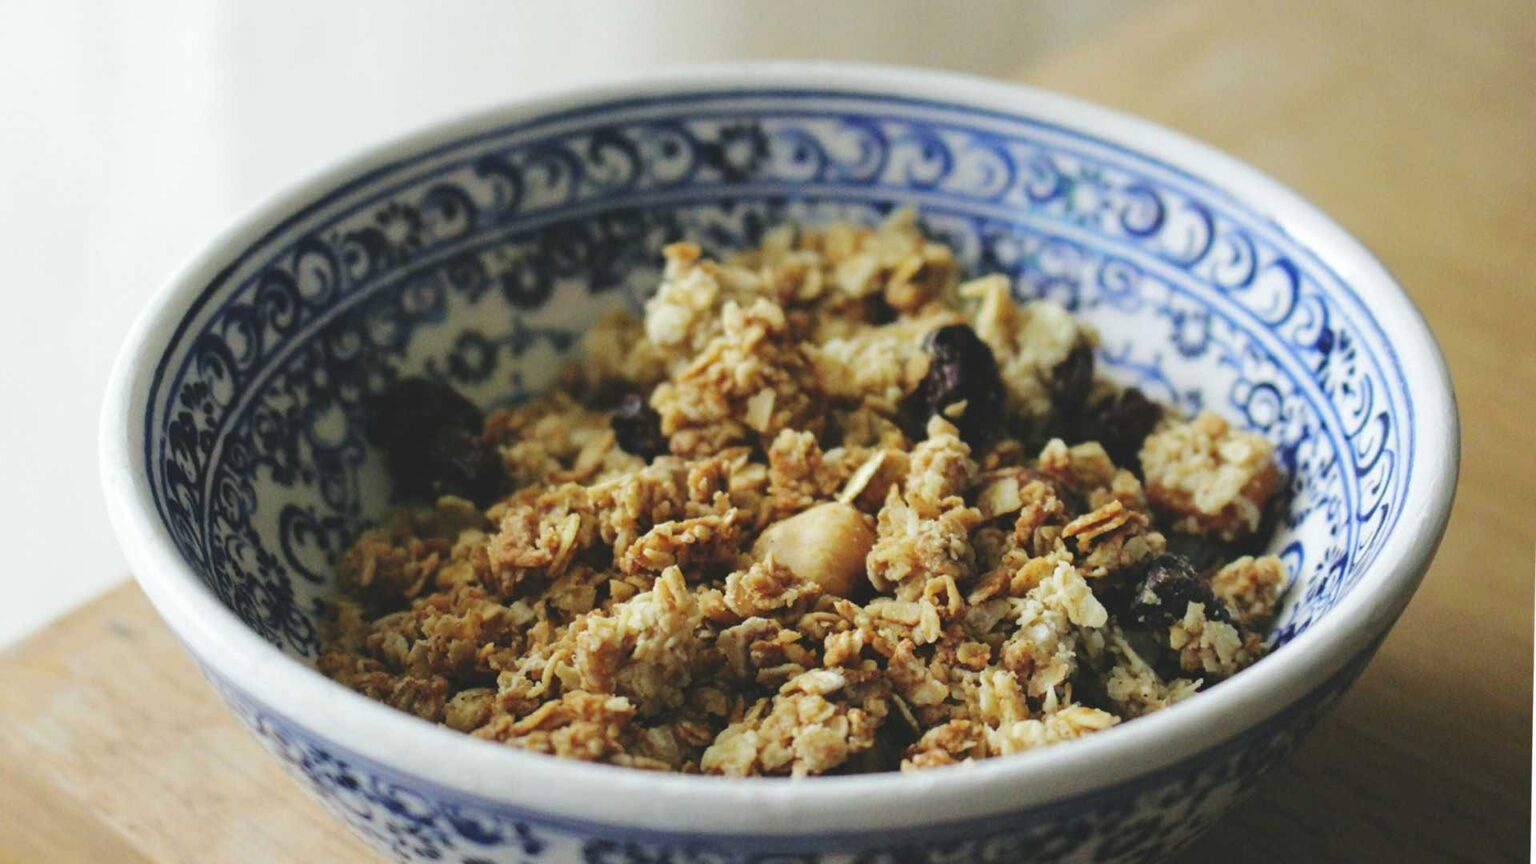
{"points": [[825, 508]]}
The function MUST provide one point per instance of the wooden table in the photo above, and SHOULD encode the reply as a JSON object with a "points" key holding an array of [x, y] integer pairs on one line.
{"points": [[1414, 124]]}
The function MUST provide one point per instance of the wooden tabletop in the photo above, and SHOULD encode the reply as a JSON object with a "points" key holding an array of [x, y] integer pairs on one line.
{"points": [[1413, 124]]}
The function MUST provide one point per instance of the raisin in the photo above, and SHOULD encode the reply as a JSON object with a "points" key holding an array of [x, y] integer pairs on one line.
{"points": [[409, 411], [453, 461], [1169, 586], [961, 368], [637, 428], [430, 435], [1120, 422], [1116, 590], [1072, 379], [1205, 554], [1127, 421]]}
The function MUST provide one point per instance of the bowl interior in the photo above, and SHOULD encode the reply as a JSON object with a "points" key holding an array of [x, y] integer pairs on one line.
{"points": [[480, 260]]}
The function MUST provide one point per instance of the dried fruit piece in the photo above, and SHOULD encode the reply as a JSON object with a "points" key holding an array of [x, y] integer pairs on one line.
{"points": [[1168, 588], [1203, 553], [411, 410], [430, 435], [1121, 423], [961, 369], [637, 428], [453, 462], [1072, 379]]}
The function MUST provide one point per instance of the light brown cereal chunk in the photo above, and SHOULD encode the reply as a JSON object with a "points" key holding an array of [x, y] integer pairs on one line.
{"points": [[941, 469], [683, 316], [947, 744], [644, 648], [1043, 650], [1073, 721], [1215, 648], [1250, 587], [767, 587], [1112, 538], [1212, 478], [687, 543], [718, 398], [799, 732], [539, 539], [1082, 467], [587, 726], [795, 473], [387, 571], [910, 546], [628, 506], [470, 709]]}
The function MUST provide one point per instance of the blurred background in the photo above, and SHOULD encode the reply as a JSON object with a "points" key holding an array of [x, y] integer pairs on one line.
{"points": [[131, 133]]}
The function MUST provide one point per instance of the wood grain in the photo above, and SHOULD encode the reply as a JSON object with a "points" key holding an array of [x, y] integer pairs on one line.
{"points": [[1413, 124], [116, 750]]}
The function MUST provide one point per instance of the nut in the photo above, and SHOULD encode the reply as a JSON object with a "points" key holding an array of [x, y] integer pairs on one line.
{"points": [[1000, 496], [826, 544]]}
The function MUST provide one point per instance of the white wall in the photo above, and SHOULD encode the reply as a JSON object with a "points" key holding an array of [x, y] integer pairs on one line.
{"points": [[130, 132]]}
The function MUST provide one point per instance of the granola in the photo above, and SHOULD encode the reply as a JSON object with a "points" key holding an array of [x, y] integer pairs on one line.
{"points": [[824, 508]]}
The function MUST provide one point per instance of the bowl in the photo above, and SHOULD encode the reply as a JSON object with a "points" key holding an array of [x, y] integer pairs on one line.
{"points": [[476, 252]]}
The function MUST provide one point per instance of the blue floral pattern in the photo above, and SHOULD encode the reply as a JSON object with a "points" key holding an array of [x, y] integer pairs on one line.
{"points": [[480, 261]]}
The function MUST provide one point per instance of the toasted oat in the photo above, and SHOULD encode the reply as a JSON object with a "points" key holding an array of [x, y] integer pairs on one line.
{"points": [[767, 587]]}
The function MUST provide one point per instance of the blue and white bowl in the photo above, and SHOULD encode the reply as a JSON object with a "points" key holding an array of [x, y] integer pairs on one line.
{"points": [[236, 467]]}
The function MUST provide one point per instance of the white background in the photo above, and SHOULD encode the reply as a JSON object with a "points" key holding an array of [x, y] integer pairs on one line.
{"points": [[131, 132]]}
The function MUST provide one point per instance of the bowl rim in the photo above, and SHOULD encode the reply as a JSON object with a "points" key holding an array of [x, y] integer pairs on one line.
{"points": [[567, 790]]}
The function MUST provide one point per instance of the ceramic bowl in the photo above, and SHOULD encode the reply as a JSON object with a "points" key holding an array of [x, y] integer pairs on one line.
{"points": [[476, 252]]}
